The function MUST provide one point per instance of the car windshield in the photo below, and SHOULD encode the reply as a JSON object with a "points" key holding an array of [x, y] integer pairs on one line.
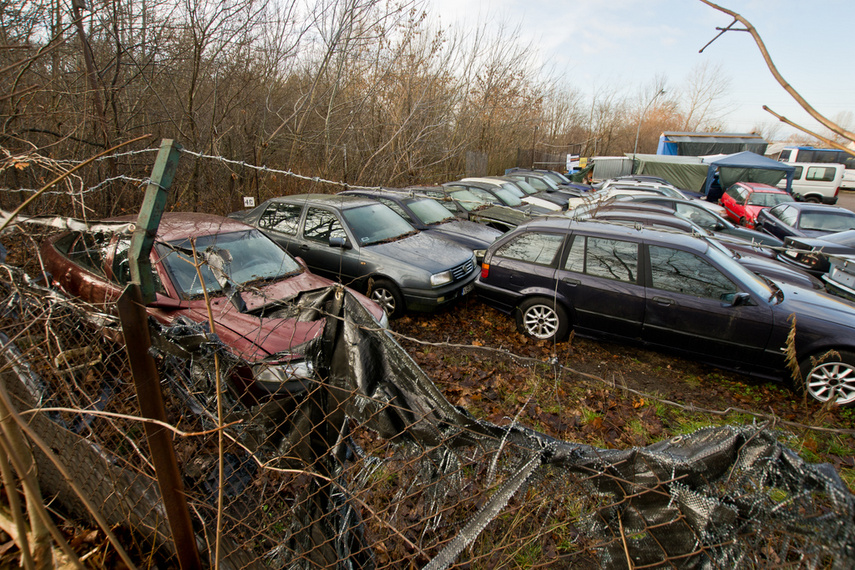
{"points": [[469, 200], [827, 221], [429, 211], [247, 257], [375, 223], [507, 197], [768, 199], [513, 189], [526, 187], [558, 177]]}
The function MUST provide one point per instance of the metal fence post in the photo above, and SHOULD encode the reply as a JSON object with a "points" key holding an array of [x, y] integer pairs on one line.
{"points": [[131, 306]]}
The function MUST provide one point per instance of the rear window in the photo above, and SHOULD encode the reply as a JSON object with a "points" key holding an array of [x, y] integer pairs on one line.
{"points": [[539, 248]]}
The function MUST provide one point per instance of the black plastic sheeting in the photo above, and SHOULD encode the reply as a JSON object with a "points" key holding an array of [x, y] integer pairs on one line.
{"points": [[703, 499]]}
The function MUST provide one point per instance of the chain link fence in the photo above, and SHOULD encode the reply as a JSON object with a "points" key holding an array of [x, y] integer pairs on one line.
{"points": [[366, 465]]}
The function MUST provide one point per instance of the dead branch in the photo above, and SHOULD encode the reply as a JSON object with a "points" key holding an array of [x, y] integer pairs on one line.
{"points": [[834, 127]]}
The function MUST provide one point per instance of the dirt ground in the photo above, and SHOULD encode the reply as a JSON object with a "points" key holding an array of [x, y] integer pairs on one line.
{"points": [[623, 386]]}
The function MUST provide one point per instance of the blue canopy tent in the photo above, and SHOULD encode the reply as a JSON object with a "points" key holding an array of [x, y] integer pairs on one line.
{"points": [[747, 166]]}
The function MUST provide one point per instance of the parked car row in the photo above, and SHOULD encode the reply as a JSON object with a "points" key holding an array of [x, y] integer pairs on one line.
{"points": [[637, 262]]}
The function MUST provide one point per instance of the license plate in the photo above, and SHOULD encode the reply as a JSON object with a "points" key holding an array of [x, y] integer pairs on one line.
{"points": [[843, 277], [467, 289]]}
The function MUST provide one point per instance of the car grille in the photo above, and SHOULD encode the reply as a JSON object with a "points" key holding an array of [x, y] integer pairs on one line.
{"points": [[463, 270]]}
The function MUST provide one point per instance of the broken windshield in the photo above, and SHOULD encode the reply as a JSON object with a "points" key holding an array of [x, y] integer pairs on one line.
{"points": [[252, 258]]}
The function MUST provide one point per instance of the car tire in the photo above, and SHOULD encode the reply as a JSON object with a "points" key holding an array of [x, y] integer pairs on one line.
{"points": [[831, 373], [742, 221], [813, 199], [542, 318], [386, 294]]}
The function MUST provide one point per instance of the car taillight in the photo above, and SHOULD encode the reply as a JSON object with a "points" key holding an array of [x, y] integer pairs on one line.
{"points": [[485, 270], [837, 191]]}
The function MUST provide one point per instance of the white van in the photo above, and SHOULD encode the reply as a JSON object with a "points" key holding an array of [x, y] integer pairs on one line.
{"points": [[815, 181]]}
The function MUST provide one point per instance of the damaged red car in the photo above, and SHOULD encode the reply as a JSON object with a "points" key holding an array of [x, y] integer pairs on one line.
{"points": [[255, 288]]}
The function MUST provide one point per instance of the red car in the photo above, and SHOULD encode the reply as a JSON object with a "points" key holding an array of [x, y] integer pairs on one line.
{"points": [[250, 295], [744, 200]]}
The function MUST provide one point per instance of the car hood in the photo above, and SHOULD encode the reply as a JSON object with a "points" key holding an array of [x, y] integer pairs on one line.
{"points": [[501, 214], [412, 250], [808, 304], [292, 287], [253, 338], [751, 235], [466, 232], [779, 272]]}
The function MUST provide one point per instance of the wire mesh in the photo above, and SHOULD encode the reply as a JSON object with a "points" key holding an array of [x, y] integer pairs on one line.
{"points": [[369, 466]]}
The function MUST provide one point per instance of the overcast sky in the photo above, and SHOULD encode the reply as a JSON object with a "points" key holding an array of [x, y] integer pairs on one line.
{"points": [[597, 43]]}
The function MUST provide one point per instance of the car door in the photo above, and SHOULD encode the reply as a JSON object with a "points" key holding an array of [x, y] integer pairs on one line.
{"points": [[689, 307], [318, 226], [600, 279], [779, 220]]}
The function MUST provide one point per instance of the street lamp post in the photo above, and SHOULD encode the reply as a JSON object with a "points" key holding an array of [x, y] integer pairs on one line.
{"points": [[641, 118]]}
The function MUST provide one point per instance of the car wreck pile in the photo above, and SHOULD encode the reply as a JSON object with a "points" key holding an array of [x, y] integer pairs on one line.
{"points": [[367, 465]]}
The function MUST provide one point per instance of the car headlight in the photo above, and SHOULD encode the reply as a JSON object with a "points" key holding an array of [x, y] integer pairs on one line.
{"points": [[438, 279], [294, 376]]}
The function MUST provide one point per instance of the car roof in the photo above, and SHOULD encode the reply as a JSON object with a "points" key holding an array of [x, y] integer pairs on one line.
{"points": [[340, 201], [760, 187], [802, 206], [615, 230], [180, 225]]}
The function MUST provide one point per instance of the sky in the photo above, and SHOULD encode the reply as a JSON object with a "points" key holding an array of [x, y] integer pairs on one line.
{"points": [[608, 44]]}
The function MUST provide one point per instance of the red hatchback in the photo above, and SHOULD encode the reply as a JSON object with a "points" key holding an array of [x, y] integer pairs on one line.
{"points": [[252, 293], [744, 200]]}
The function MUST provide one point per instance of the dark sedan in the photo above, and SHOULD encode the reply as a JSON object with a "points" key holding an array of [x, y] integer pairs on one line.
{"points": [[251, 293], [428, 215], [805, 219], [365, 244], [673, 292]]}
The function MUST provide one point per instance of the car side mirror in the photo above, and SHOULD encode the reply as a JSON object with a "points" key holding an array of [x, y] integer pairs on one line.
{"points": [[339, 241], [738, 299]]}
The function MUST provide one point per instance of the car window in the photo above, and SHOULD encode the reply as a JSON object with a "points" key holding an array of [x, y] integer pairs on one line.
{"points": [[472, 201], [736, 193], [375, 223], [87, 250], [768, 198], [786, 214], [321, 225], [684, 272], [539, 248], [429, 211], [823, 173], [396, 208], [507, 197], [827, 221], [282, 218], [601, 257], [698, 215]]}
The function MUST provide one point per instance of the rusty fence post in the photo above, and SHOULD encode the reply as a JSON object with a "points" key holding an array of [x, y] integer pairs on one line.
{"points": [[131, 307]]}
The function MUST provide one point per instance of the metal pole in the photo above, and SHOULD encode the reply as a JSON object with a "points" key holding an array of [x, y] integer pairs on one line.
{"points": [[131, 306]]}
